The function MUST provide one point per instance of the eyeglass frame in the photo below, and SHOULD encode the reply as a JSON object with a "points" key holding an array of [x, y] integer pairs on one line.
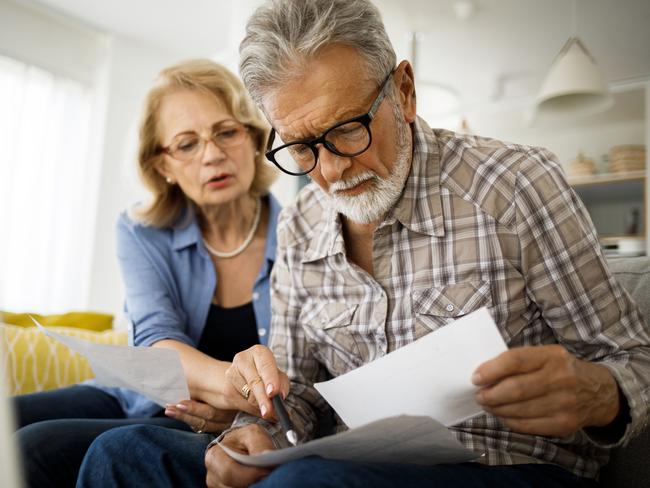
{"points": [[364, 120], [205, 140]]}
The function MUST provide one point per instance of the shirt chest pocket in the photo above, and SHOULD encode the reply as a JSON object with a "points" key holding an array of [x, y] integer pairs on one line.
{"points": [[332, 335], [438, 306]]}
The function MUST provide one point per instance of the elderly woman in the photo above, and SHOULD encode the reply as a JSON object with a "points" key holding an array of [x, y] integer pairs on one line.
{"points": [[196, 263]]}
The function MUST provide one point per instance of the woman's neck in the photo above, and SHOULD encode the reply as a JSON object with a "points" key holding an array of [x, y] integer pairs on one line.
{"points": [[226, 225]]}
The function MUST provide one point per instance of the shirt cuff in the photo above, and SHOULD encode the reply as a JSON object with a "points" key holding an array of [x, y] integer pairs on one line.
{"points": [[631, 419], [243, 419]]}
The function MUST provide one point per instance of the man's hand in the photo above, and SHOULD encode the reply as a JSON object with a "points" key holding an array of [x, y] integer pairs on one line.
{"points": [[256, 367], [200, 416], [223, 471], [545, 390]]}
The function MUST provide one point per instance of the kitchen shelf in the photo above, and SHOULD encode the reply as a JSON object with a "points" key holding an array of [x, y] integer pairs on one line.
{"points": [[605, 178]]}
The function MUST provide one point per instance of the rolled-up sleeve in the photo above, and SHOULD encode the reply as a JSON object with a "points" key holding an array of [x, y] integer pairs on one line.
{"points": [[568, 278], [151, 301]]}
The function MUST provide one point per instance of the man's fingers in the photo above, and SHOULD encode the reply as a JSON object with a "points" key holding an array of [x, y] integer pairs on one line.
{"points": [[515, 361], [543, 406], [254, 440], [224, 471], [518, 388]]}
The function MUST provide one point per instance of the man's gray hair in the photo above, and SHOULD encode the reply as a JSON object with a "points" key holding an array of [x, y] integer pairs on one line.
{"points": [[283, 35]]}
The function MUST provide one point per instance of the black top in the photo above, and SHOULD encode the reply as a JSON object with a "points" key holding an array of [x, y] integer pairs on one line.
{"points": [[228, 331]]}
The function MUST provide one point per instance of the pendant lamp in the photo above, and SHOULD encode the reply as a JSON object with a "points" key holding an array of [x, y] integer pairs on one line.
{"points": [[574, 84]]}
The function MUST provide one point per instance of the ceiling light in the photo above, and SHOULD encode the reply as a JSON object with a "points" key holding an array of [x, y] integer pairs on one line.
{"points": [[574, 84], [463, 9]]}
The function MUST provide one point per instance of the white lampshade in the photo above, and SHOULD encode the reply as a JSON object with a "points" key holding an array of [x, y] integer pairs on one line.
{"points": [[574, 85]]}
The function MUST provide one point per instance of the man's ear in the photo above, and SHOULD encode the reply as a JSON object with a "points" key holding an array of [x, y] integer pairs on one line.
{"points": [[405, 82]]}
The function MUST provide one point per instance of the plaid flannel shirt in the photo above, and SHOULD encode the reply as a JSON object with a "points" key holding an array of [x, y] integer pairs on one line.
{"points": [[480, 223]]}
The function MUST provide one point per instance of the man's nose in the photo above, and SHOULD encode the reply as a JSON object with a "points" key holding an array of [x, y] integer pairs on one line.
{"points": [[332, 166]]}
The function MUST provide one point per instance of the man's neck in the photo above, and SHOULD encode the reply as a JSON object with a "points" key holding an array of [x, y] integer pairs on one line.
{"points": [[358, 242]]}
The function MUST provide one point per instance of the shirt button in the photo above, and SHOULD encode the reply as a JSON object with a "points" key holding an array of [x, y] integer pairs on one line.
{"points": [[261, 332], [256, 296], [449, 307]]}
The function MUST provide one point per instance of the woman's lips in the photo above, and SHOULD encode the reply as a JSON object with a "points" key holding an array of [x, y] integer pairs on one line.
{"points": [[219, 181]]}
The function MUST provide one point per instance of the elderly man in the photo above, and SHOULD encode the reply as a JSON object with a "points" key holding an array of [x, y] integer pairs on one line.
{"points": [[408, 228]]}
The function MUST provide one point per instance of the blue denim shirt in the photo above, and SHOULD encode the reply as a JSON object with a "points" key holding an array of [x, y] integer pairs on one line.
{"points": [[170, 281]]}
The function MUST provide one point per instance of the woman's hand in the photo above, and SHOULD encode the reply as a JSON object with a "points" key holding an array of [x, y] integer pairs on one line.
{"points": [[255, 376], [200, 416]]}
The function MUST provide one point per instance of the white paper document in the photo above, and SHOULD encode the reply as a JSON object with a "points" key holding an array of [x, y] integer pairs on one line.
{"points": [[402, 439], [429, 377], [154, 372]]}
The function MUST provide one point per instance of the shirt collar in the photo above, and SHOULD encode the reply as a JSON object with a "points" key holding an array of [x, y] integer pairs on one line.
{"points": [[186, 231], [419, 208]]}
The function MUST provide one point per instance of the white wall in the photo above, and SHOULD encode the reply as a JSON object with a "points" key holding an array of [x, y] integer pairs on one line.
{"points": [[131, 69]]}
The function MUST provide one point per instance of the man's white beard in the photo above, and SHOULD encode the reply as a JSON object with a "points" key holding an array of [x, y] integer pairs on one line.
{"points": [[375, 202]]}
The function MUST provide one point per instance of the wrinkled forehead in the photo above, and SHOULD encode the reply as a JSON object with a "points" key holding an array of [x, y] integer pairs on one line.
{"points": [[332, 87]]}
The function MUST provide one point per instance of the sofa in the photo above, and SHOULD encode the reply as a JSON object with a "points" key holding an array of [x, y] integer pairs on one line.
{"points": [[628, 466], [32, 361]]}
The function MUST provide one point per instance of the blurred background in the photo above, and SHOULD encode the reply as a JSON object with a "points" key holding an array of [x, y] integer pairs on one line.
{"points": [[573, 76]]}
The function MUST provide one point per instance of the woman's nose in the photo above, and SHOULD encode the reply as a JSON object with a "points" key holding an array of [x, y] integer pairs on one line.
{"points": [[211, 151]]}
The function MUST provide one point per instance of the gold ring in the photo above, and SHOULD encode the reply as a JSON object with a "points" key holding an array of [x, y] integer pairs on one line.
{"points": [[255, 381], [245, 391]]}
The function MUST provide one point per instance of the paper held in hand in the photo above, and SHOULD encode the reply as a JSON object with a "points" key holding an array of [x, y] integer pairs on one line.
{"points": [[151, 371], [402, 439], [421, 387]]}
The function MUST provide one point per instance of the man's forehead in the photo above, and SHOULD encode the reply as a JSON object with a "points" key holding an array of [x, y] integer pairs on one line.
{"points": [[306, 122], [298, 112], [330, 88]]}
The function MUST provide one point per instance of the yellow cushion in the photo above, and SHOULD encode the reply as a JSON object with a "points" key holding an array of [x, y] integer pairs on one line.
{"points": [[83, 320], [36, 362]]}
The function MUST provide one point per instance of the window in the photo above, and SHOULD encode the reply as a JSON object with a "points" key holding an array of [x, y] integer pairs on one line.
{"points": [[46, 205]]}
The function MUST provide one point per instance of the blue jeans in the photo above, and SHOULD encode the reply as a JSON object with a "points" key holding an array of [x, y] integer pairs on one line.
{"points": [[325, 473], [145, 455], [55, 428]]}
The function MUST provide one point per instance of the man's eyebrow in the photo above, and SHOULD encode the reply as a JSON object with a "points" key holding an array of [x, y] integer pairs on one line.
{"points": [[337, 118]]}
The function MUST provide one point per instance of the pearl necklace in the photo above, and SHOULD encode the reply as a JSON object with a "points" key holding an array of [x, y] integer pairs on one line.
{"points": [[247, 241]]}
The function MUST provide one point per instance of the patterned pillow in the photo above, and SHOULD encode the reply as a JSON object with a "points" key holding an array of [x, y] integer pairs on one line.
{"points": [[32, 361]]}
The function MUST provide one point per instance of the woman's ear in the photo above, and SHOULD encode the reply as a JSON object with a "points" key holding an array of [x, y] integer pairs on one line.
{"points": [[162, 170], [405, 82]]}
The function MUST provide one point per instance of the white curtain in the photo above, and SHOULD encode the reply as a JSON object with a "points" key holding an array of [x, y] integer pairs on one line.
{"points": [[46, 193]]}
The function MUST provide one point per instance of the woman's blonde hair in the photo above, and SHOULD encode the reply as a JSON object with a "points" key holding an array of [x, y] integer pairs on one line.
{"points": [[169, 201]]}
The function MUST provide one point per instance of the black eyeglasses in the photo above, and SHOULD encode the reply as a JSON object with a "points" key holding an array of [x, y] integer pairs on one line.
{"points": [[348, 138]]}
